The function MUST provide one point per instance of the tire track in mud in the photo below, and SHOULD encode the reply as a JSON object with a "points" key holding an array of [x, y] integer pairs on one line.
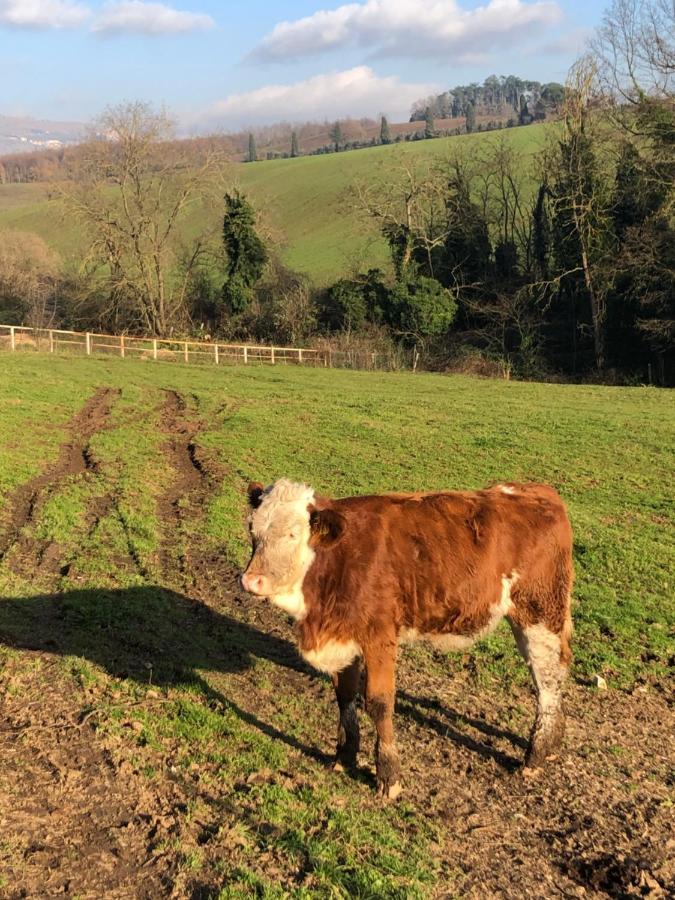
{"points": [[184, 502], [28, 553]]}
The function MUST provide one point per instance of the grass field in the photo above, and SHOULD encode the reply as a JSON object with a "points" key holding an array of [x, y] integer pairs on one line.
{"points": [[304, 200], [166, 721]]}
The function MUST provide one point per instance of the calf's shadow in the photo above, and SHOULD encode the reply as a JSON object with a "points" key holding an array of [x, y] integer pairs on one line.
{"points": [[153, 634]]}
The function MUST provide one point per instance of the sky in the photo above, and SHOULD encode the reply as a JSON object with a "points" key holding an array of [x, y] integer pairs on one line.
{"points": [[231, 65]]}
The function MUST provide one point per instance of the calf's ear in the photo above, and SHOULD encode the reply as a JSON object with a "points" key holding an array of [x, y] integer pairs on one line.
{"points": [[326, 527], [255, 492]]}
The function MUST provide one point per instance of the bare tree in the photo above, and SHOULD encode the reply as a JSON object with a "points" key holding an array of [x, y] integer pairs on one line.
{"points": [[580, 198], [408, 201], [635, 49], [133, 189], [30, 278]]}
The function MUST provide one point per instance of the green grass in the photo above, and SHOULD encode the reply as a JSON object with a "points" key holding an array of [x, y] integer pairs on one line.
{"points": [[304, 200], [205, 689], [609, 451]]}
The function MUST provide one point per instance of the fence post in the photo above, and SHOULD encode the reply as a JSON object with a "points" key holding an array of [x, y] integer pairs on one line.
{"points": [[87, 343], [272, 355], [300, 357], [122, 350], [187, 358], [245, 355], [154, 348], [12, 339], [216, 351], [51, 341]]}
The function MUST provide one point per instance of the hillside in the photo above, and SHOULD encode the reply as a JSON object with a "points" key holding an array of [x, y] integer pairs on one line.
{"points": [[303, 200], [22, 134]]}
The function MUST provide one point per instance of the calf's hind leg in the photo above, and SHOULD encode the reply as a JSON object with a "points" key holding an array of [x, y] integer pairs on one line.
{"points": [[547, 655], [346, 684]]}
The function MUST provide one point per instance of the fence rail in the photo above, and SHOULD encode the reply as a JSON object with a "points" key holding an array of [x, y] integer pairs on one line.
{"points": [[54, 340]]}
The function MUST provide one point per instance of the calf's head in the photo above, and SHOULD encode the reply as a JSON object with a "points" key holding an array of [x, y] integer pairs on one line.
{"points": [[286, 529]]}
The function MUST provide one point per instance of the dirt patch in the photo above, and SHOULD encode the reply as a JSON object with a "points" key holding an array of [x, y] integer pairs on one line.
{"points": [[74, 816], [29, 554], [196, 477]]}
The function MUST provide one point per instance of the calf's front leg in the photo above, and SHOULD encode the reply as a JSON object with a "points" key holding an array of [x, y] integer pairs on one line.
{"points": [[346, 684], [380, 665]]}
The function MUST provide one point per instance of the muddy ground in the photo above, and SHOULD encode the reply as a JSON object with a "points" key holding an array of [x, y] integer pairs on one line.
{"points": [[76, 811]]}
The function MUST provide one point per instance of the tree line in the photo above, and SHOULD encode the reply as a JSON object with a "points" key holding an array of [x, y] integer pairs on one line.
{"points": [[495, 96], [561, 265]]}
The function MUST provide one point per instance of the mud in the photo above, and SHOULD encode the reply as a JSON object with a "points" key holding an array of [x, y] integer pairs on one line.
{"points": [[29, 555]]}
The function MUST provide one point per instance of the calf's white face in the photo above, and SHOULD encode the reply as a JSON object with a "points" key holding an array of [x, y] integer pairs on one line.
{"points": [[279, 524]]}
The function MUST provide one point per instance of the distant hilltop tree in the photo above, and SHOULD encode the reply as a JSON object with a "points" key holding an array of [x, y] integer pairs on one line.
{"points": [[429, 129], [295, 150], [252, 150], [385, 132], [337, 136], [470, 118]]}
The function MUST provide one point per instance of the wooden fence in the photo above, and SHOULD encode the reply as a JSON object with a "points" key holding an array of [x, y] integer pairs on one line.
{"points": [[53, 340]]}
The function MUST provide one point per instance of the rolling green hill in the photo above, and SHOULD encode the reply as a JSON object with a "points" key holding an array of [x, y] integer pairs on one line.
{"points": [[304, 201]]}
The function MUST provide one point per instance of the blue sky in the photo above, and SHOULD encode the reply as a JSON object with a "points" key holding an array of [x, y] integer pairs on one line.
{"points": [[233, 64]]}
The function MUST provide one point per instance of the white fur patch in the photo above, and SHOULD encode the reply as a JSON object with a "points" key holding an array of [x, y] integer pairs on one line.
{"points": [[333, 656], [542, 648], [447, 642], [506, 489], [293, 603], [280, 526]]}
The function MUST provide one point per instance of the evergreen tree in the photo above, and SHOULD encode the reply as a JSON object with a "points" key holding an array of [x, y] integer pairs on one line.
{"points": [[429, 130], [295, 150], [336, 136], [252, 151], [246, 253], [524, 117], [470, 117], [385, 133]]}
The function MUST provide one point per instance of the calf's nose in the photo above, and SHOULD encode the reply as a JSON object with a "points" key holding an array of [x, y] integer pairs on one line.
{"points": [[254, 584]]}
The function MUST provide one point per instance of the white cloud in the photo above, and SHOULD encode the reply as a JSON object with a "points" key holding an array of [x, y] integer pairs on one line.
{"points": [[354, 92], [42, 13], [407, 28], [123, 16]]}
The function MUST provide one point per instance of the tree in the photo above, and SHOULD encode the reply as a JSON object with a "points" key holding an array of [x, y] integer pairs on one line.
{"points": [[429, 129], [30, 279], [385, 133], [420, 308], [581, 206], [336, 136], [295, 151], [131, 193], [252, 150], [470, 123], [246, 253]]}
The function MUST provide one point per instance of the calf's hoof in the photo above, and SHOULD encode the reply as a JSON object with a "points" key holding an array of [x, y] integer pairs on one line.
{"points": [[343, 763], [388, 772], [544, 743], [389, 791]]}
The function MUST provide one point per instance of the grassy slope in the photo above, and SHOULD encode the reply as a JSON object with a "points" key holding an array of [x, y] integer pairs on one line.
{"points": [[609, 451], [303, 199]]}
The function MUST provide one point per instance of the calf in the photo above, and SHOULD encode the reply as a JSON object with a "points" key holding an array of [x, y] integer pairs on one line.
{"points": [[362, 574]]}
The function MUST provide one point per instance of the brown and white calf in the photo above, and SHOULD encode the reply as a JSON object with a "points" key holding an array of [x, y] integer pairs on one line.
{"points": [[362, 574]]}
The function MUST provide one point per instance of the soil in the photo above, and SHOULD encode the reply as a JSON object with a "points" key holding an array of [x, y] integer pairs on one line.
{"points": [[75, 809]]}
